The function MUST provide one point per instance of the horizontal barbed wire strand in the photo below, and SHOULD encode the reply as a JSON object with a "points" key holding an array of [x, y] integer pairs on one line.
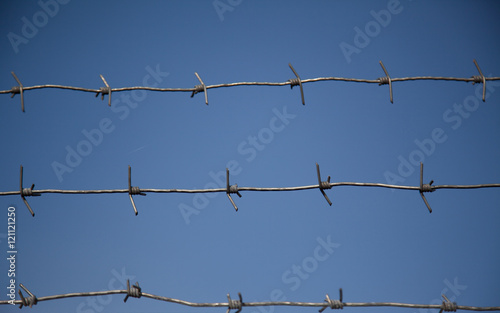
{"points": [[231, 189], [297, 188], [297, 81], [255, 304], [311, 80]]}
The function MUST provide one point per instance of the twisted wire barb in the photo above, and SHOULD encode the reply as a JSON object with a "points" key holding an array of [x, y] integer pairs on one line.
{"points": [[229, 189], [238, 304], [297, 81]]}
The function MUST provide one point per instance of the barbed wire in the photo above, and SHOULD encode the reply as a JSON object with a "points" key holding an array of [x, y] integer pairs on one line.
{"points": [[235, 189], [135, 291], [297, 81]]}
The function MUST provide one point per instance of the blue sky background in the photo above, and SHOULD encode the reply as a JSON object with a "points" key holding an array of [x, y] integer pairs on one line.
{"points": [[387, 245]]}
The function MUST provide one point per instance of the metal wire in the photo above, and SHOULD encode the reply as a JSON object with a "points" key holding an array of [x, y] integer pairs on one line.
{"points": [[136, 292], [234, 304], [322, 185], [292, 82], [296, 188], [304, 81]]}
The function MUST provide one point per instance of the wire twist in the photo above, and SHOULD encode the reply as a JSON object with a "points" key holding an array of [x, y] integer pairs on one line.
{"points": [[27, 301], [294, 82], [28, 192], [427, 187], [15, 91], [383, 81], [447, 305], [325, 185], [333, 304], [103, 91], [134, 190], [233, 189], [234, 304], [197, 89], [477, 79], [133, 291]]}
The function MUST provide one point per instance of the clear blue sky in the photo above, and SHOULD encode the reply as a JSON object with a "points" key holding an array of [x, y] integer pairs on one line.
{"points": [[384, 244]]}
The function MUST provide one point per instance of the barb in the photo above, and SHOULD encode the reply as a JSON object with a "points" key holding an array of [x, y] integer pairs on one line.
{"points": [[323, 185], [425, 188], [295, 82], [27, 192], [237, 304], [333, 304], [200, 88], [105, 91], [386, 80], [133, 190], [234, 304], [292, 82], [135, 291], [480, 79], [229, 189], [29, 301], [447, 305], [18, 90]]}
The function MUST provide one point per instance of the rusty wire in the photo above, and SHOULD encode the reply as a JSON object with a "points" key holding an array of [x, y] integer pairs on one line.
{"points": [[235, 189], [135, 291], [297, 81]]}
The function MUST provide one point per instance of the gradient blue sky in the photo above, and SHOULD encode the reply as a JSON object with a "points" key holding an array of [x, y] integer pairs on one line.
{"points": [[387, 245]]}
